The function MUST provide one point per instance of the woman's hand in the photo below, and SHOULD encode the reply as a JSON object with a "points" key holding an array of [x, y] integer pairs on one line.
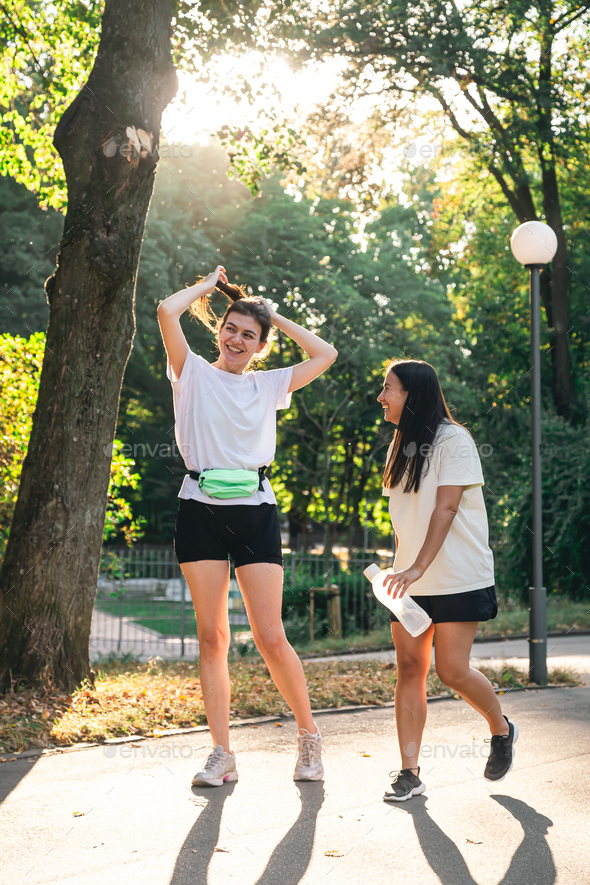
{"points": [[398, 583], [273, 313], [211, 279]]}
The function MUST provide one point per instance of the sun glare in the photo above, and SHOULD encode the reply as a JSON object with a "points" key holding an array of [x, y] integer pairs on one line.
{"points": [[200, 109]]}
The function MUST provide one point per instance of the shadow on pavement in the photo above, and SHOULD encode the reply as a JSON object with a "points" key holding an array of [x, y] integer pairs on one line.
{"points": [[13, 773], [531, 864], [288, 862], [290, 859], [195, 855], [532, 861]]}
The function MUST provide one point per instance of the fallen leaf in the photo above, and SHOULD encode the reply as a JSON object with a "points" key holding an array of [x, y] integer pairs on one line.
{"points": [[334, 853], [279, 724], [365, 754], [136, 745], [474, 843], [457, 698], [224, 850], [340, 815], [45, 714], [78, 813], [253, 726]]}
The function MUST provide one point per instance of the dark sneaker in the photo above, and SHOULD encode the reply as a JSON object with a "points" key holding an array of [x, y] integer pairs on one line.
{"points": [[501, 756], [405, 785]]}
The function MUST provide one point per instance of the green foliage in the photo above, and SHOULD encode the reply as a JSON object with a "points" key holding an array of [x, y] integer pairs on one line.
{"points": [[254, 156], [119, 518], [29, 240], [566, 514], [46, 53], [20, 369]]}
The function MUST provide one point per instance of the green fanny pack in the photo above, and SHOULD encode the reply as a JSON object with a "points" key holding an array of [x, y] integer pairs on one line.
{"points": [[220, 483]]}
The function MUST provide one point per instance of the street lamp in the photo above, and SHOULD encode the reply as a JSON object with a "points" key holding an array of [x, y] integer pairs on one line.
{"points": [[534, 244]]}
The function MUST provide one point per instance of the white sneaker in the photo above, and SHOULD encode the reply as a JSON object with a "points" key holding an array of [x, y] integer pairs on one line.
{"points": [[219, 768], [309, 761]]}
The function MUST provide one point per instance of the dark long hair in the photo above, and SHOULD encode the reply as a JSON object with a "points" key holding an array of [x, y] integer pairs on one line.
{"points": [[424, 410], [240, 303]]}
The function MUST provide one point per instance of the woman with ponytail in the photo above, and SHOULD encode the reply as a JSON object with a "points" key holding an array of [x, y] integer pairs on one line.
{"points": [[434, 480], [225, 416]]}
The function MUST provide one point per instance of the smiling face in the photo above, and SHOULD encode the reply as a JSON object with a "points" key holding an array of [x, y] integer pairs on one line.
{"points": [[239, 340], [392, 398]]}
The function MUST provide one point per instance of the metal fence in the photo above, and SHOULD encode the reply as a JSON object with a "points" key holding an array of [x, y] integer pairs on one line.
{"points": [[143, 605]]}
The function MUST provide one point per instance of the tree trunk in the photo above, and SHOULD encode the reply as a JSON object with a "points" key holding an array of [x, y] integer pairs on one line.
{"points": [[50, 570], [564, 389]]}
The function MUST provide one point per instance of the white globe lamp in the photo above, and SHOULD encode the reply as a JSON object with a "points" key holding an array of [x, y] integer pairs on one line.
{"points": [[534, 243]]}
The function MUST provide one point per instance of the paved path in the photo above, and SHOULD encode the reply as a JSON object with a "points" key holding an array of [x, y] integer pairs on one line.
{"points": [[562, 651], [142, 642], [141, 822]]}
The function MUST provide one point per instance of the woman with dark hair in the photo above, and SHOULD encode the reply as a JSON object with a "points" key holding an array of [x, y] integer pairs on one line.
{"points": [[434, 480], [226, 431]]}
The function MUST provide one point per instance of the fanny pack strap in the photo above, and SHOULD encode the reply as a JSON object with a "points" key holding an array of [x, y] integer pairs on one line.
{"points": [[261, 475]]}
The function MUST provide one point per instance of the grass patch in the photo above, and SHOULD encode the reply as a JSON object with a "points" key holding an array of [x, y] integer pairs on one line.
{"points": [[163, 617], [131, 698], [562, 614]]}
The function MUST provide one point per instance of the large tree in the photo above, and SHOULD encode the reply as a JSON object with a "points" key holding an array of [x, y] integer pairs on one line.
{"points": [[49, 573]]}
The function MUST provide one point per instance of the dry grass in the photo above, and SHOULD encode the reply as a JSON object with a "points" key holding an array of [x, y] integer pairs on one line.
{"points": [[130, 698]]}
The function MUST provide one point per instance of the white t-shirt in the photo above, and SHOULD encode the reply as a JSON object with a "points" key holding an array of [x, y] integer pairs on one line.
{"points": [[465, 561], [227, 421]]}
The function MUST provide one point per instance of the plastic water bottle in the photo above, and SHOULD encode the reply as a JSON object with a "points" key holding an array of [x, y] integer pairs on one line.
{"points": [[409, 613]]}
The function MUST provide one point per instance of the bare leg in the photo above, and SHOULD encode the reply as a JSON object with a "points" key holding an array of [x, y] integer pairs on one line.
{"points": [[413, 663], [208, 582], [452, 646], [261, 584]]}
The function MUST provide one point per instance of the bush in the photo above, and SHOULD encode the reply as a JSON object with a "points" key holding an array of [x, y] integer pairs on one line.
{"points": [[566, 516]]}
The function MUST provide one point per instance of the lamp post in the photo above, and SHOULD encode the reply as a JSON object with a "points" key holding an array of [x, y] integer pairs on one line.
{"points": [[534, 244]]}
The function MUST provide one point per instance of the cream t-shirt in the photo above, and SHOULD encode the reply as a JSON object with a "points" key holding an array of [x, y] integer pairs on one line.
{"points": [[227, 421], [465, 561]]}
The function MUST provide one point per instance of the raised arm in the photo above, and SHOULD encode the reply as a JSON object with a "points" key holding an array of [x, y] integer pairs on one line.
{"points": [[321, 354], [171, 309]]}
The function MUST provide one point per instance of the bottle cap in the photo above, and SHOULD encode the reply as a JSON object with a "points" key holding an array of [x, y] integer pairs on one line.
{"points": [[372, 571]]}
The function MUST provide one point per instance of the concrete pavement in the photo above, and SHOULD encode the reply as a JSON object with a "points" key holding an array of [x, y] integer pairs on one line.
{"points": [[121, 814]]}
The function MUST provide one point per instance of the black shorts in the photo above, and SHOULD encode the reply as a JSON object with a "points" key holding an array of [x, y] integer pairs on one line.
{"points": [[246, 532], [472, 605]]}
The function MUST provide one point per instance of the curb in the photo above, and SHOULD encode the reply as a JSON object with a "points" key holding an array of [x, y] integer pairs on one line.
{"points": [[258, 720]]}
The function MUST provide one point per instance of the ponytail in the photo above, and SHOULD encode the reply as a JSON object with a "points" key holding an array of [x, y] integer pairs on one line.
{"points": [[201, 308], [241, 303]]}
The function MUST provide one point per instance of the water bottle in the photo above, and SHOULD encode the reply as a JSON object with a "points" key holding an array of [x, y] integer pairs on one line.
{"points": [[409, 613]]}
